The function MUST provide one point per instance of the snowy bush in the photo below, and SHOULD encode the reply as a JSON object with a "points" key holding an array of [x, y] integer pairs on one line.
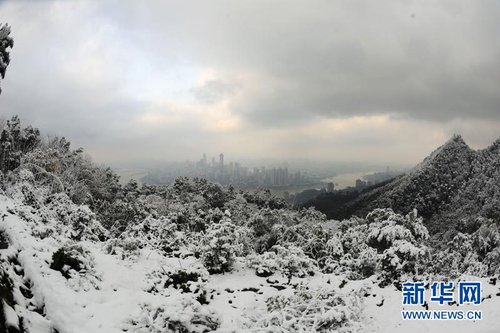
{"points": [[354, 240], [474, 266], [382, 237], [289, 259], [385, 242], [492, 262], [179, 313], [386, 227], [77, 265], [314, 238], [267, 227], [292, 261], [81, 223], [84, 224], [403, 257], [310, 310], [119, 214], [474, 254], [486, 238], [160, 233], [59, 206], [124, 248], [264, 264], [365, 264], [264, 198], [190, 280], [334, 247], [22, 188], [220, 245]]}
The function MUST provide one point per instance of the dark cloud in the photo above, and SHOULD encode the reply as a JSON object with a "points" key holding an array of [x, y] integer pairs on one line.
{"points": [[421, 60], [113, 72]]}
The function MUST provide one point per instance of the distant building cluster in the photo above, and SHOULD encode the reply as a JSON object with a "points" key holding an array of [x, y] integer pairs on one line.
{"points": [[242, 176], [373, 179]]}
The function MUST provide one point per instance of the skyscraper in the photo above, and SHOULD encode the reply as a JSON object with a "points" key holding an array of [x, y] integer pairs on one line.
{"points": [[221, 160]]}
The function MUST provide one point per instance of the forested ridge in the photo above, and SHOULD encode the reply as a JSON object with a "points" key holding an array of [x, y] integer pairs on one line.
{"points": [[455, 189]]}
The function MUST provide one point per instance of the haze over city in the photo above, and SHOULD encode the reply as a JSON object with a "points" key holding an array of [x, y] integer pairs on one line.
{"points": [[382, 82]]}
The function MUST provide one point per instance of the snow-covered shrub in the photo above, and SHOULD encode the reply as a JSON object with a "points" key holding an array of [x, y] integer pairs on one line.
{"points": [[160, 233], [214, 195], [119, 214], [190, 280], [77, 265], [84, 225], [267, 228], [179, 313], [15, 141], [450, 260], [401, 258], [214, 216], [492, 261], [54, 213], [264, 264], [43, 231], [415, 224], [353, 240], [382, 237], [386, 227], [21, 188], [334, 253], [58, 205], [63, 169], [263, 198], [385, 242], [220, 245], [474, 266], [474, 254], [288, 259], [334, 247], [365, 264], [292, 261], [316, 240], [125, 248], [310, 310], [486, 238]]}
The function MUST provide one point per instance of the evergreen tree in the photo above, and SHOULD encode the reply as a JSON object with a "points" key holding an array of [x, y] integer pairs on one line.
{"points": [[6, 42]]}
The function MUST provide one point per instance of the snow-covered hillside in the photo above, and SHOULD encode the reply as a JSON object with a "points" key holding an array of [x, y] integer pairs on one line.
{"points": [[114, 295], [455, 189]]}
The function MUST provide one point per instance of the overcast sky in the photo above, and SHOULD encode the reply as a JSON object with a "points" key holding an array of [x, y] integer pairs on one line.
{"points": [[379, 81]]}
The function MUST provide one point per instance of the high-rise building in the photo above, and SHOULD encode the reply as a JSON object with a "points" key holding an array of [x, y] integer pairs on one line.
{"points": [[221, 160]]}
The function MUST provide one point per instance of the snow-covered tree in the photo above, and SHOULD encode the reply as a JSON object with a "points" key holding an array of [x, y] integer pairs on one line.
{"points": [[6, 42], [220, 245]]}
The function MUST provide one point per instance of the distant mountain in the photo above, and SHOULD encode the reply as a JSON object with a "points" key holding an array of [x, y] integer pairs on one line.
{"points": [[455, 189]]}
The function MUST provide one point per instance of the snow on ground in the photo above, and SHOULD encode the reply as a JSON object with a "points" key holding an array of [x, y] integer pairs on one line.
{"points": [[236, 295]]}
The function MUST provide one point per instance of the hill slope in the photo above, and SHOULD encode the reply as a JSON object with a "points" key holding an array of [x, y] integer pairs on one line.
{"points": [[454, 188]]}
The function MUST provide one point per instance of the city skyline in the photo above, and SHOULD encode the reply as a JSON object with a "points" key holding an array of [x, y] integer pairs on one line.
{"points": [[232, 173]]}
